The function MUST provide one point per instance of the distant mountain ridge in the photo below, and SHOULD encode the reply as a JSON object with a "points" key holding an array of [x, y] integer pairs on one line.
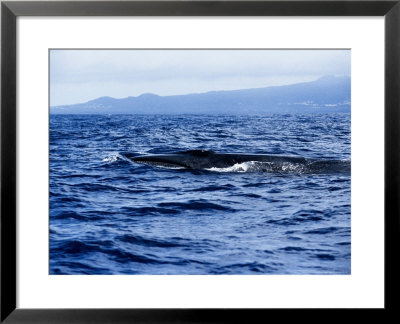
{"points": [[327, 94]]}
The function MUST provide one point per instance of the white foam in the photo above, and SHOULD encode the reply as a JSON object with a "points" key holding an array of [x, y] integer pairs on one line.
{"points": [[251, 166], [115, 156], [111, 158], [257, 166]]}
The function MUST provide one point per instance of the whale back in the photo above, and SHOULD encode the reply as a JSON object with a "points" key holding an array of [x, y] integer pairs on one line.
{"points": [[199, 153], [210, 160]]}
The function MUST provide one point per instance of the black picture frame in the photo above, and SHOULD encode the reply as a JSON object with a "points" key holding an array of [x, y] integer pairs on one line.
{"points": [[10, 10]]}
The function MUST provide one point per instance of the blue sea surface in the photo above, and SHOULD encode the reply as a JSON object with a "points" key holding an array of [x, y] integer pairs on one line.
{"points": [[110, 215]]}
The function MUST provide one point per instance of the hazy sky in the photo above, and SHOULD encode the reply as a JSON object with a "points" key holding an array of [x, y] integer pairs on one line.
{"points": [[82, 75]]}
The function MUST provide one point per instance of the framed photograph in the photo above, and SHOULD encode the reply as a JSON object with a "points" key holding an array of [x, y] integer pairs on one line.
{"points": [[198, 161]]}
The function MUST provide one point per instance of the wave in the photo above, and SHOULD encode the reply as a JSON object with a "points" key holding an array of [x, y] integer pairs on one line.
{"points": [[195, 205]]}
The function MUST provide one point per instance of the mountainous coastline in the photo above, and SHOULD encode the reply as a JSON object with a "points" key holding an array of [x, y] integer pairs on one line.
{"points": [[327, 94]]}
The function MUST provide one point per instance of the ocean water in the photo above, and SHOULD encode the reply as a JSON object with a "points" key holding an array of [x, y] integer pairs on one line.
{"points": [[110, 215]]}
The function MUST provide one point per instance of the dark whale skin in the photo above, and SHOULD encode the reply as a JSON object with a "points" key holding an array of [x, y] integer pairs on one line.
{"points": [[201, 159]]}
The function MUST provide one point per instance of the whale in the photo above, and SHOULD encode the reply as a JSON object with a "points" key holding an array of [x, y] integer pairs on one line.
{"points": [[203, 159], [206, 160]]}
